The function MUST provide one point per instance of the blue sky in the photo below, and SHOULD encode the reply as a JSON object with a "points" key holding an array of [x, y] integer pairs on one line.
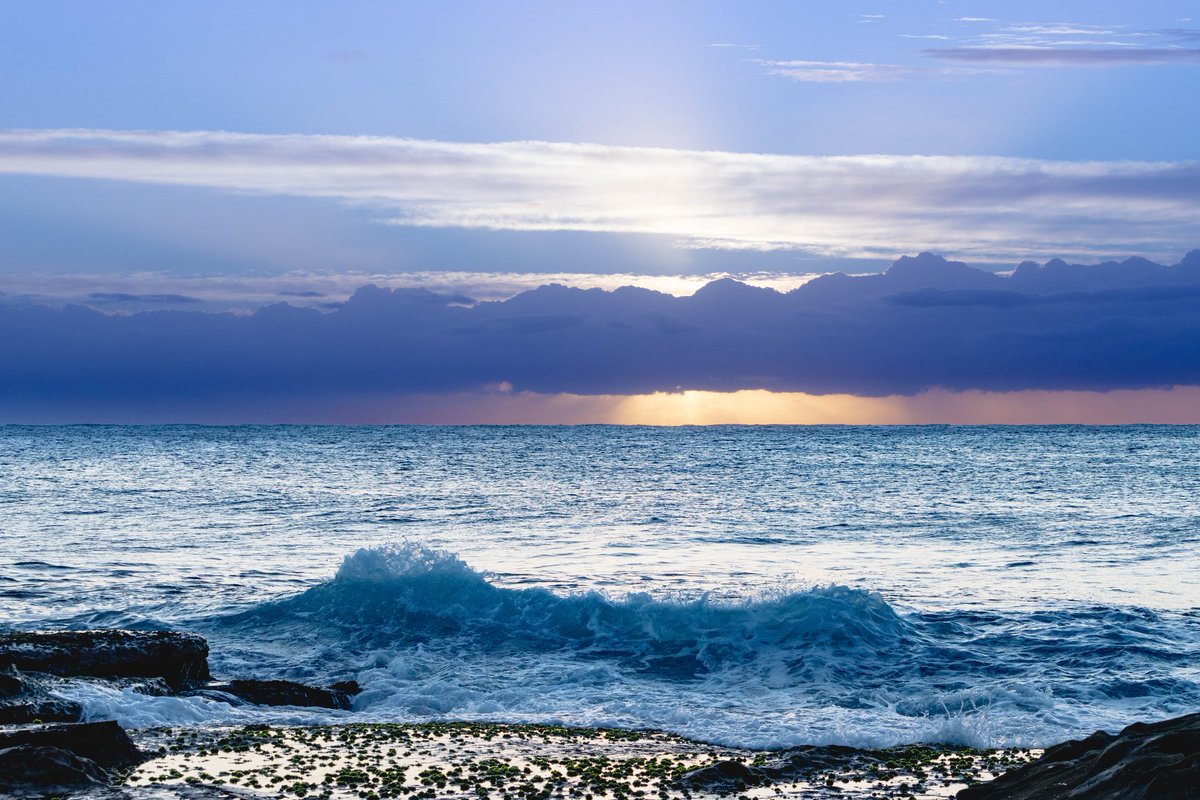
{"points": [[221, 156], [767, 78], [617, 73]]}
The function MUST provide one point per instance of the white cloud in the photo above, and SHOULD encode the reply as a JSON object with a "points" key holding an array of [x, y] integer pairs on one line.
{"points": [[865, 206], [836, 71], [1063, 29], [1071, 44]]}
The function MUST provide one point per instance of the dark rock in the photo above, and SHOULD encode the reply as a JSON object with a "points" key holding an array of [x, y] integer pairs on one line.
{"points": [[283, 693], [103, 743], [27, 699], [800, 761], [47, 767], [803, 763], [1160, 761], [167, 791], [351, 688], [47, 710], [178, 658], [723, 777], [10, 683]]}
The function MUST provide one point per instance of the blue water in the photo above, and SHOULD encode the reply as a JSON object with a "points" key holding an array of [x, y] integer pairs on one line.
{"points": [[751, 586]]}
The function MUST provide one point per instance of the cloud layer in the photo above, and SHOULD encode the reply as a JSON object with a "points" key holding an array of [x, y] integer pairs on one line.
{"points": [[1001, 47], [1067, 56], [864, 206], [926, 324], [142, 291]]}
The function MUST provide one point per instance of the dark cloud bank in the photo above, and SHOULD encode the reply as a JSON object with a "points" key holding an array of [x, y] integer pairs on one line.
{"points": [[924, 323]]}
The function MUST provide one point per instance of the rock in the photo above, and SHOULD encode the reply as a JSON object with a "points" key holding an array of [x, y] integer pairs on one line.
{"points": [[10, 683], [26, 699], [168, 791], [351, 688], [723, 777], [798, 762], [47, 768], [283, 693], [179, 658], [103, 743], [45, 710], [1159, 761]]}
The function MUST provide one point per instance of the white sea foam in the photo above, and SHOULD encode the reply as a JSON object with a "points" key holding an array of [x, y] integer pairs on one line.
{"points": [[430, 638]]}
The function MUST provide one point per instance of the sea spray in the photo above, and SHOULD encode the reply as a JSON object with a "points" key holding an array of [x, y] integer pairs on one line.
{"points": [[431, 638]]}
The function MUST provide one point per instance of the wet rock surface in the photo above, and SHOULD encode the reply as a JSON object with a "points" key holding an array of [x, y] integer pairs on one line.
{"points": [[46, 767], [724, 777], [284, 693], [26, 699], [803, 763], [1158, 761], [40, 710], [178, 658], [63, 758], [103, 743]]}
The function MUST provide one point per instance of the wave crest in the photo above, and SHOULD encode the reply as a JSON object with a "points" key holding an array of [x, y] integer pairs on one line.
{"points": [[403, 595]]}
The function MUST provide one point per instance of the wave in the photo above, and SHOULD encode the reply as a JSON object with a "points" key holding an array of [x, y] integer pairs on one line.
{"points": [[403, 596], [429, 637]]}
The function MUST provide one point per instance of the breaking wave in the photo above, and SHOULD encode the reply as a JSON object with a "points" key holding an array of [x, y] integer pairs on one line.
{"points": [[429, 637]]}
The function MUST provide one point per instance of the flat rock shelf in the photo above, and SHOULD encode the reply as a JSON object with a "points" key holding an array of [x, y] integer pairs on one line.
{"points": [[524, 762]]}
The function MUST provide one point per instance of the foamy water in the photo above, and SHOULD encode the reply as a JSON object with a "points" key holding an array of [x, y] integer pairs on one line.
{"points": [[751, 586]]}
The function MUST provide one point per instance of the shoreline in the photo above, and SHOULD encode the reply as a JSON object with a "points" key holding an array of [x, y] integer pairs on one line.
{"points": [[488, 760], [497, 760]]}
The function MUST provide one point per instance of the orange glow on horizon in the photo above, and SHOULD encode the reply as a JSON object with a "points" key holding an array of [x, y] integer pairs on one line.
{"points": [[1179, 405], [500, 405], [760, 407]]}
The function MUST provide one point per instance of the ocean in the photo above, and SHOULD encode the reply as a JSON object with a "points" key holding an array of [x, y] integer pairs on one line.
{"points": [[749, 586]]}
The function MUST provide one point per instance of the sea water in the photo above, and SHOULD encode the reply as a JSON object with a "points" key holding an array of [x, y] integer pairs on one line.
{"points": [[755, 586]]}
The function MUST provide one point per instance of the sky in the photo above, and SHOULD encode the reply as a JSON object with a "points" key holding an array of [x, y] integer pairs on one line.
{"points": [[185, 166]]}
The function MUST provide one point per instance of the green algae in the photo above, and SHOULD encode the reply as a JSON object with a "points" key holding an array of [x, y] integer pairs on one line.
{"points": [[494, 761]]}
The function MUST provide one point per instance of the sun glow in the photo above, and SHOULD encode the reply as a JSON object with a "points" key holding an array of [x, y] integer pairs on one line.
{"points": [[1175, 405], [759, 407]]}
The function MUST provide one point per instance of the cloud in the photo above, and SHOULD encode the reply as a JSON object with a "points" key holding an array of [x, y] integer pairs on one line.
{"points": [[1065, 56], [1071, 44], [149, 299], [925, 325], [1176, 405], [845, 206], [857, 72], [1002, 47], [1063, 29], [135, 291], [837, 71]]}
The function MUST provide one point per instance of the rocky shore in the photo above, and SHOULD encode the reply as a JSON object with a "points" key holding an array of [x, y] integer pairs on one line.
{"points": [[47, 749]]}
